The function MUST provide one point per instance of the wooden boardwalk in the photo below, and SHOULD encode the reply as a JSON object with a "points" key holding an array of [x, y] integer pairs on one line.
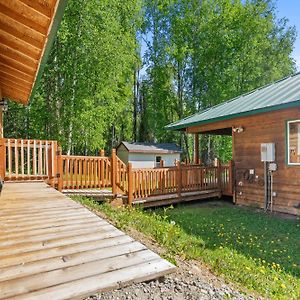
{"points": [[168, 199], [53, 248]]}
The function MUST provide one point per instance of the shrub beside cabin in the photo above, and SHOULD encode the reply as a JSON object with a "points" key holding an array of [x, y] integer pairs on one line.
{"points": [[149, 155], [265, 129]]}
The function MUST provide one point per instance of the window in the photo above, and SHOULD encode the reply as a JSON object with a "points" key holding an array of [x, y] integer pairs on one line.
{"points": [[293, 142], [157, 160]]}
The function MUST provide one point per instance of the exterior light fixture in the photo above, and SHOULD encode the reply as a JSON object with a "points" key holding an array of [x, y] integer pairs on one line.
{"points": [[239, 129]]}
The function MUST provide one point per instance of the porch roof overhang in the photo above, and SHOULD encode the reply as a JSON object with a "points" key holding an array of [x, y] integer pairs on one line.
{"points": [[27, 31], [279, 95]]}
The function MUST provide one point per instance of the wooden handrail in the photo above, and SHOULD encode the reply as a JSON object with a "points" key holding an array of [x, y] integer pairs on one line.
{"points": [[79, 172], [182, 178], [41, 159], [28, 159]]}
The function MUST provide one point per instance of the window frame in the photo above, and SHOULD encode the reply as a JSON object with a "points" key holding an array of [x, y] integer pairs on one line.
{"points": [[287, 131], [157, 163]]}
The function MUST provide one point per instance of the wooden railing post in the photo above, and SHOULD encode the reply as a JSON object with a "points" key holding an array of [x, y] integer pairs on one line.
{"points": [[179, 178], [113, 171], [219, 174], [230, 177], [59, 170], [2, 158], [196, 148], [102, 153], [130, 184], [161, 163], [49, 166], [101, 171]]}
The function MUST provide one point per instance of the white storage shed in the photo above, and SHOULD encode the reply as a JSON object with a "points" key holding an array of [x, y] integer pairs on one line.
{"points": [[148, 155]]}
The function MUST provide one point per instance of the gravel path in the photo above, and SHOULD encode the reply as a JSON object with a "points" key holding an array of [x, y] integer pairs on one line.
{"points": [[184, 284]]}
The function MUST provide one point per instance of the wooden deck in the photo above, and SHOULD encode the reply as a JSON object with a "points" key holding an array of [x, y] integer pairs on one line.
{"points": [[173, 198], [53, 248]]}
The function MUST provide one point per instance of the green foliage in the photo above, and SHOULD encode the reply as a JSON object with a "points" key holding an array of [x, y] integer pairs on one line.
{"points": [[250, 248], [205, 52], [86, 89], [197, 54]]}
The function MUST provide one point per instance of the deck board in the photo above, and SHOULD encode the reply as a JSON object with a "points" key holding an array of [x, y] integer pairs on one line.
{"points": [[52, 247]]}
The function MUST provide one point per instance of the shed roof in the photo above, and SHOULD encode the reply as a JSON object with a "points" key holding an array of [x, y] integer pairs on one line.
{"points": [[137, 147], [27, 31], [281, 94]]}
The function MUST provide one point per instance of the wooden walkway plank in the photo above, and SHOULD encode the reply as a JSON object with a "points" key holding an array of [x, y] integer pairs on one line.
{"points": [[59, 241], [44, 214], [33, 217], [41, 254], [103, 282], [58, 223], [34, 282], [68, 260], [27, 235], [39, 221], [52, 247]]}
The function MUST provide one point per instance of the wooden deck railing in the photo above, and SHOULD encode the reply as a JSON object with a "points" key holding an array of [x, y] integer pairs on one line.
{"points": [[196, 177], [121, 176], [227, 179], [182, 178], [79, 172], [147, 182], [27, 159], [42, 159]]}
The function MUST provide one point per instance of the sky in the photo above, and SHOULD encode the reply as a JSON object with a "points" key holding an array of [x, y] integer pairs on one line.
{"points": [[291, 10]]}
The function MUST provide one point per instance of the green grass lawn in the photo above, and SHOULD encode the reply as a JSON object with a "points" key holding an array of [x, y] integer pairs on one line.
{"points": [[257, 251]]}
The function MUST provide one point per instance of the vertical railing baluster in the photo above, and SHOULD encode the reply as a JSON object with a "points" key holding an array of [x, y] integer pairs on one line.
{"points": [[9, 158], [34, 159], [22, 158], [46, 148], [40, 158], [28, 158], [16, 159]]}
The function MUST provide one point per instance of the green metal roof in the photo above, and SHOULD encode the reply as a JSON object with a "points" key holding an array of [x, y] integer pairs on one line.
{"points": [[281, 94]]}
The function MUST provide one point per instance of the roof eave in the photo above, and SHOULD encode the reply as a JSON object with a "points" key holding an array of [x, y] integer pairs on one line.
{"points": [[154, 152], [47, 47], [234, 116]]}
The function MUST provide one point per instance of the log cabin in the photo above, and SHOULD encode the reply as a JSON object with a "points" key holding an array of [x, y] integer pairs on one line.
{"points": [[265, 128]]}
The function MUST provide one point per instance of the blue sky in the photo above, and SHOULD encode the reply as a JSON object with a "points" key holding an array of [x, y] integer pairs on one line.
{"points": [[291, 10]]}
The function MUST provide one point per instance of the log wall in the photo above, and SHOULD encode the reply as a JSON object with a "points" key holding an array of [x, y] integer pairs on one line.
{"points": [[262, 128]]}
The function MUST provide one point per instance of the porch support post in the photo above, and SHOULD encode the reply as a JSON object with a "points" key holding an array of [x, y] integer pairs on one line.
{"points": [[196, 148]]}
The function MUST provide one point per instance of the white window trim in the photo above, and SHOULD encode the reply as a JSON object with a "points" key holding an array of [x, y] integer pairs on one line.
{"points": [[288, 142]]}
